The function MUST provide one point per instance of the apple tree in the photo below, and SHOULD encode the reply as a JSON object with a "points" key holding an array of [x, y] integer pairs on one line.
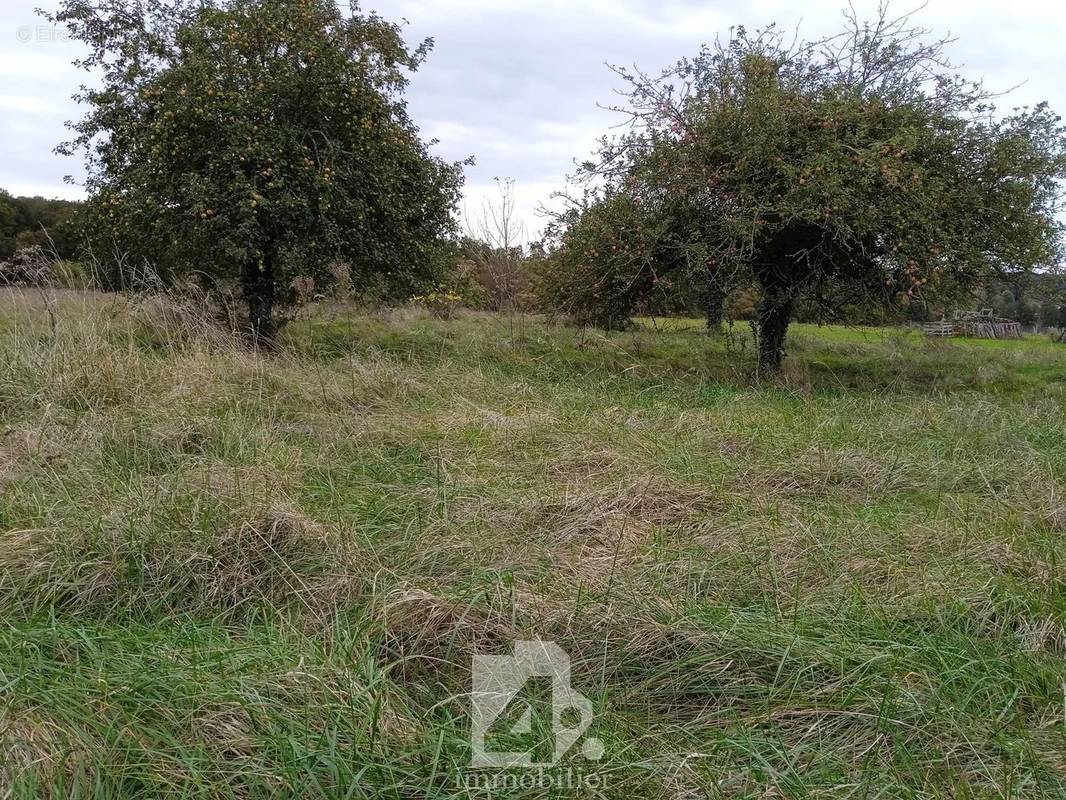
{"points": [[857, 166], [257, 141]]}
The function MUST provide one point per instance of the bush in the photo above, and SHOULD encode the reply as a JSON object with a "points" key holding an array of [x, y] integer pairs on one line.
{"points": [[601, 265], [29, 266], [442, 304]]}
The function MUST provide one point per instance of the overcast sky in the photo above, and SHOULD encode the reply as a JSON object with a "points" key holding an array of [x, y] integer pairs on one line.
{"points": [[517, 83]]}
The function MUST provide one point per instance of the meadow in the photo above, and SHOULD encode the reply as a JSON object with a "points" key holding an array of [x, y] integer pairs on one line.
{"points": [[225, 574]]}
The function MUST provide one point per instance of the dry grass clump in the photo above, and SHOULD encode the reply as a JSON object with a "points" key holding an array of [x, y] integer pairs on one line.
{"points": [[520, 420], [1042, 634], [590, 535], [821, 471], [230, 730], [363, 385], [178, 319], [421, 625], [77, 369], [1056, 518], [34, 750], [1001, 557], [590, 462], [634, 633], [1043, 502], [278, 558], [650, 501], [19, 447], [224, 479]]}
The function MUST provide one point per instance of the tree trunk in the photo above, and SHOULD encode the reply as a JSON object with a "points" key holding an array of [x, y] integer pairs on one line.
{"points": [[714, 300], [257, 283], [775, 312], [788, 258]]}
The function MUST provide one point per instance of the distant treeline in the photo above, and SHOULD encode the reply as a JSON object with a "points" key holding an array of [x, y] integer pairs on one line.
{"points": [[28, 221]]}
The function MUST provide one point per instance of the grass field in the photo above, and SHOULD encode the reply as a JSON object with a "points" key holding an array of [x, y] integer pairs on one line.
{"points": [[230, 576]]}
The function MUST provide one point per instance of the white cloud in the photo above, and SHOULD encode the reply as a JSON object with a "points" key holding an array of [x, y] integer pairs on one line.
{"points": [[61, 190], [22, 104]]}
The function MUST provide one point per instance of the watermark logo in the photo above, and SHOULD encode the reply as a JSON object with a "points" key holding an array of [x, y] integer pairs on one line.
{"points": [[38, 34], [505, 690]]}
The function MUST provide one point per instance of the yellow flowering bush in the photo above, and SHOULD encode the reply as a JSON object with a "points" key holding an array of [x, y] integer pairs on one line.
{"points": [[441, 304]]}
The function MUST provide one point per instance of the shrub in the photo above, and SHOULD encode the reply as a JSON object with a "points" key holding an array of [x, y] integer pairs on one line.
{"points": [[442, 304]]}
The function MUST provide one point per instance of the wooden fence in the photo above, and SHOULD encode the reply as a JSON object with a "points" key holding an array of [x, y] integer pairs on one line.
{"points": [[942, 328]]}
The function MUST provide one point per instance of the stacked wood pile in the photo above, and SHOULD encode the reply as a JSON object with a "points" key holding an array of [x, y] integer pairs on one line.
{"points": [[982, 324]]}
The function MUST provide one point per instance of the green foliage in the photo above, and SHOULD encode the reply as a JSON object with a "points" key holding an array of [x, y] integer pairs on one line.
{"points": [[35, 221], [7, 226], [260, 139], [612, 255], [1030, 299], [466, 278], [855, 166], [497, 276], [602, 263]]}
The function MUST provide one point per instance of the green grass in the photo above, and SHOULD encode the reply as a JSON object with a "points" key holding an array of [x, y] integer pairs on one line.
{"points": [[230, 576]]}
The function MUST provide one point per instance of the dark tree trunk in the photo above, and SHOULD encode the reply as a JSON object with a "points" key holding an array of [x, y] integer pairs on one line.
{"points": [[775, 312], [785, 264], [714, 300], [257, 284]]}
